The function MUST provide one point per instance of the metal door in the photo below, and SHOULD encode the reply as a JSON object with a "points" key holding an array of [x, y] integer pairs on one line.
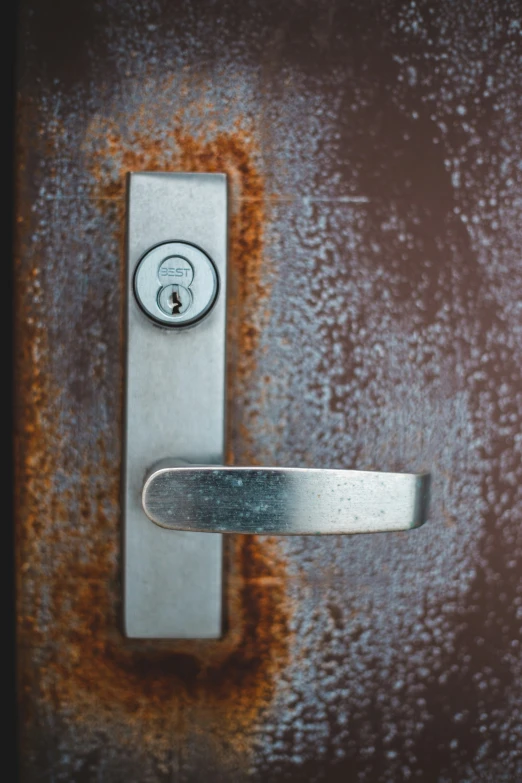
{"points": [[374, 156]]}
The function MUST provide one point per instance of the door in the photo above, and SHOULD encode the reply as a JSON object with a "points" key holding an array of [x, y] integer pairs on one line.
{"points": [[373, 157]]}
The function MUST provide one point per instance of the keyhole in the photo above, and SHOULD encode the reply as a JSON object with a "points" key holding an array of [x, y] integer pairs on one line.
{"points": [[174, 299], [175, 302]]}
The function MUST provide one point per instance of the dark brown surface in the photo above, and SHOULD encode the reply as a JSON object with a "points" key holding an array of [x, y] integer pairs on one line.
{"points": [[374, 152]]}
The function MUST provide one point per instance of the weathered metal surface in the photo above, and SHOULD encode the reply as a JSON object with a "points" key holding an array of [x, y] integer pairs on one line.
{"points": [[374, 151]]}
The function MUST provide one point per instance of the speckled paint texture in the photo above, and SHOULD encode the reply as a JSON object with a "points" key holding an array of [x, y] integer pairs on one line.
{"points": [[374, 152]]}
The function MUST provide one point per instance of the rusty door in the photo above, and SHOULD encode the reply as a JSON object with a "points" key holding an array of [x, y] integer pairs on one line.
{"points": [[374, 156]]}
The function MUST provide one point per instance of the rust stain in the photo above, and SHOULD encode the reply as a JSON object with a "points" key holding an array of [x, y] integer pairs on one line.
{"points": [[69, 570], [234, 153]]}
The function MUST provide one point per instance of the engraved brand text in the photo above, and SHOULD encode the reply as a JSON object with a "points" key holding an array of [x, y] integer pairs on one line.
{"points": [[170, 271]]}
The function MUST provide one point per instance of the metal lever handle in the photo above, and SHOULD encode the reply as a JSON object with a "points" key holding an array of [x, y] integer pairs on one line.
{"points": [[284, 501]]}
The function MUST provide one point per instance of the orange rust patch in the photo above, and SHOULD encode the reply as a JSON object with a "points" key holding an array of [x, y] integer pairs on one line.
{"points": [[69, 570], [233, 154]]}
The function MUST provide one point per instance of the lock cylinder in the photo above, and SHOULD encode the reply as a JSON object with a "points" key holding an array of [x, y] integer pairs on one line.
{"points": [[176, 284]]}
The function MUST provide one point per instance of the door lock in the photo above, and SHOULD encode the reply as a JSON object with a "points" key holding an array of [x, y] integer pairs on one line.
{"points": [[179, 498], [176, 283]]}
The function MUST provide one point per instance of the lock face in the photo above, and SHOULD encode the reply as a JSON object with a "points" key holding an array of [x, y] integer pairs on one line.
{"points": [[176, 284]]}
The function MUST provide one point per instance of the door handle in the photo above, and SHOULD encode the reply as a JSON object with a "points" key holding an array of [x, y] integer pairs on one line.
{"points": [[284, 501], [174, 425]]}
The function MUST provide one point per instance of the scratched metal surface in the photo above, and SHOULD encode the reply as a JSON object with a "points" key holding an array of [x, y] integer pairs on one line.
{"points": [[376, 322]]}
